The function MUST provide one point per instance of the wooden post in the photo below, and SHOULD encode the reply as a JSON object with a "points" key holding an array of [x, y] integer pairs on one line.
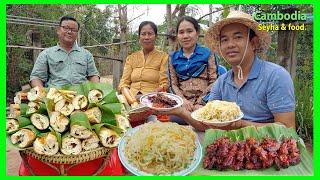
{"points": [[116, 65], [287, 47], [35, 37]]}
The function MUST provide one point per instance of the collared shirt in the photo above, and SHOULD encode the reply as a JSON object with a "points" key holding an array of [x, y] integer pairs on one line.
{"points": [[194, 88], [193, 66], [56, 67], [145, 75], [268, 90]]}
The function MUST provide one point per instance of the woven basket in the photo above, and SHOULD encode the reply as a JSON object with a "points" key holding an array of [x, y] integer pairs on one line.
{"points": [[60, 158]]}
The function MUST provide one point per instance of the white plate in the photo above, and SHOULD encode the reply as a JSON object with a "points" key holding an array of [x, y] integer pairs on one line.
{"points": [[194, 164], [216, 123], [145, 101]]}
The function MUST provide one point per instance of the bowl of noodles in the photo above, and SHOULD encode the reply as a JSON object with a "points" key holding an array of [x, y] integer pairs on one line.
{"points": [[218, 113], [161, 149]]}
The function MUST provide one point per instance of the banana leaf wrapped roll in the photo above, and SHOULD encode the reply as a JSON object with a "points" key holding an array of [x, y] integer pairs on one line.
{"points": [[95, 96], [109, 135], [20, 97], [80, 126], [64, 107], [80, 102], [59, 122], [94, 115], [14, 110], [40, 121], [33, 107], [13, 125], [24, 137], [91, 143], [122, 122], [36, 94], [70, 145], [46, 144]]}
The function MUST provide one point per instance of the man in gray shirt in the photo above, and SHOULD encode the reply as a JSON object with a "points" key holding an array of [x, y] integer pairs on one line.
{"points": [[66, 63]]}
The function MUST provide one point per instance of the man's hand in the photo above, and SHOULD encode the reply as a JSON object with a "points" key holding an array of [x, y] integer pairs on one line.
{"points": [[94, 78], [36, 82]]}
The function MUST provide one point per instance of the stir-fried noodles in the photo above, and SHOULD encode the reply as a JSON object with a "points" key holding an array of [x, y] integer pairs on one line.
{"points": [[161, 148], [218, 111]]}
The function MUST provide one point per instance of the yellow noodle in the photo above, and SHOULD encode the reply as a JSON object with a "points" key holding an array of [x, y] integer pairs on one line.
{"points": [[219, 111], [161, 148]]}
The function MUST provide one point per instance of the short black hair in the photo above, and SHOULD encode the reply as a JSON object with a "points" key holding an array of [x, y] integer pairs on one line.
{"points": [[252, 34], [67, 18], [191, 20], [153, 26]]}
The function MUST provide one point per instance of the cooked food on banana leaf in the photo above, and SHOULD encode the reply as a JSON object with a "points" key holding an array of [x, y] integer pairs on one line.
{"points": [[94, 115], [70, 145], [67, 109], [80, 132], [223, 154], [23, 138], [20, 97], [64, 107], [46, 144], [33, 107], [14, 110], [40, 121], [58, 121], [80, 102], [52, 93], [36, 93], [12, 125], [95, 96], [108, 137], [122, 122], [91, 143]]}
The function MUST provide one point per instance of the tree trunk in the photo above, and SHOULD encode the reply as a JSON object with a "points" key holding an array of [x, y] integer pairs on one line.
{"points": [[170, 30], [118, 66], [210, 15], [286, 53]]}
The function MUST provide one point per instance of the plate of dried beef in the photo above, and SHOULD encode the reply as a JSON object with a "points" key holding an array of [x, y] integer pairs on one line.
{"points": [[161, 101]]}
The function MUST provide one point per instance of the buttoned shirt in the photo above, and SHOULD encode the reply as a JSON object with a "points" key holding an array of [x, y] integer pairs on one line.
{"points": [[145, 75], [268, 90], [57, 67], [195, 87]]}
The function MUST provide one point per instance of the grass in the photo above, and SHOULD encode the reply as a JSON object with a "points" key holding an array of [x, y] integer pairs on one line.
{"points": [[304, 108]]}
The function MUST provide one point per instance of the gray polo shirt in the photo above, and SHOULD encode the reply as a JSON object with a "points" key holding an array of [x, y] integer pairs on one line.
{"points": [[56, 67]]}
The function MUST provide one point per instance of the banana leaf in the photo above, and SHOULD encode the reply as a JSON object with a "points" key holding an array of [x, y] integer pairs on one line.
{"points": [[49, 105], [23, 121], [111, 98], [41, 110], [58, 136], [275, 131], [108, 116], [81, 119], [23, 108], [97, 128]]}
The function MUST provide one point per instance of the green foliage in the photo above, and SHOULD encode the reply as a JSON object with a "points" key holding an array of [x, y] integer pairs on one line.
{"points": [[304, 108]]}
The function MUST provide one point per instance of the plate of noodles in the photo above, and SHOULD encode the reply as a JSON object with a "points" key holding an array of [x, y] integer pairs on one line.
{"points": [[161, 101], [160, 149], [218, 113]]}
